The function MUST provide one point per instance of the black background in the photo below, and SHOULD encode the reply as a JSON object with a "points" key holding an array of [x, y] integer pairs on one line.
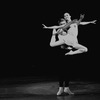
{"points": [[25, 49]]}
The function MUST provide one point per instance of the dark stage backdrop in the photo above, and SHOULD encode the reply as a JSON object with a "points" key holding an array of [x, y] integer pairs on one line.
{"points": [[25, 44]]}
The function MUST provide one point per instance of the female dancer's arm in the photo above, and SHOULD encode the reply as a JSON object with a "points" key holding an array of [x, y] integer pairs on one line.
{"points": [[53, 27], [85, 23]]}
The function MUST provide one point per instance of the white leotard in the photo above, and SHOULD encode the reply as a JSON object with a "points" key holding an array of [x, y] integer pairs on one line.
{"points": [[71, 37]]}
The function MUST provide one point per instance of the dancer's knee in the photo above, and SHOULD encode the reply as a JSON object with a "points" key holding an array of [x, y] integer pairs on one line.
{"points": [[80, 47]]}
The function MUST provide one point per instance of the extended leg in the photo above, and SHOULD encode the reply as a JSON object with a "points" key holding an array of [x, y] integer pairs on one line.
{"points": [[80, 49], [53, 41]]}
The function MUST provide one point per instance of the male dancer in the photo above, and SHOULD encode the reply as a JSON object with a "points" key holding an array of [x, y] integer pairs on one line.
{"points": [[68, 37]]}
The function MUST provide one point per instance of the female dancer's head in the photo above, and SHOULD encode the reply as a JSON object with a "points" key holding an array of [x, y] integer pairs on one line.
{"points": [[67, 17]]}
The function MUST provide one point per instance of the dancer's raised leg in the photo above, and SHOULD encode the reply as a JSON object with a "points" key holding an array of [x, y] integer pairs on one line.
{"points": [[80, 49]]}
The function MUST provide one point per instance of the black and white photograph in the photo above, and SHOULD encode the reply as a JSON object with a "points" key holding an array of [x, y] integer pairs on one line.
{"points": [[50, 51]]}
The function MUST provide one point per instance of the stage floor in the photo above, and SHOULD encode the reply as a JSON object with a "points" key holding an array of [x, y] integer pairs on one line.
{"points": [[47, 90]]}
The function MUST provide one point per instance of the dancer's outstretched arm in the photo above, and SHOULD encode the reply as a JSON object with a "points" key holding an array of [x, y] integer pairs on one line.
{"points": [[85, 23], [53, 27]]}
